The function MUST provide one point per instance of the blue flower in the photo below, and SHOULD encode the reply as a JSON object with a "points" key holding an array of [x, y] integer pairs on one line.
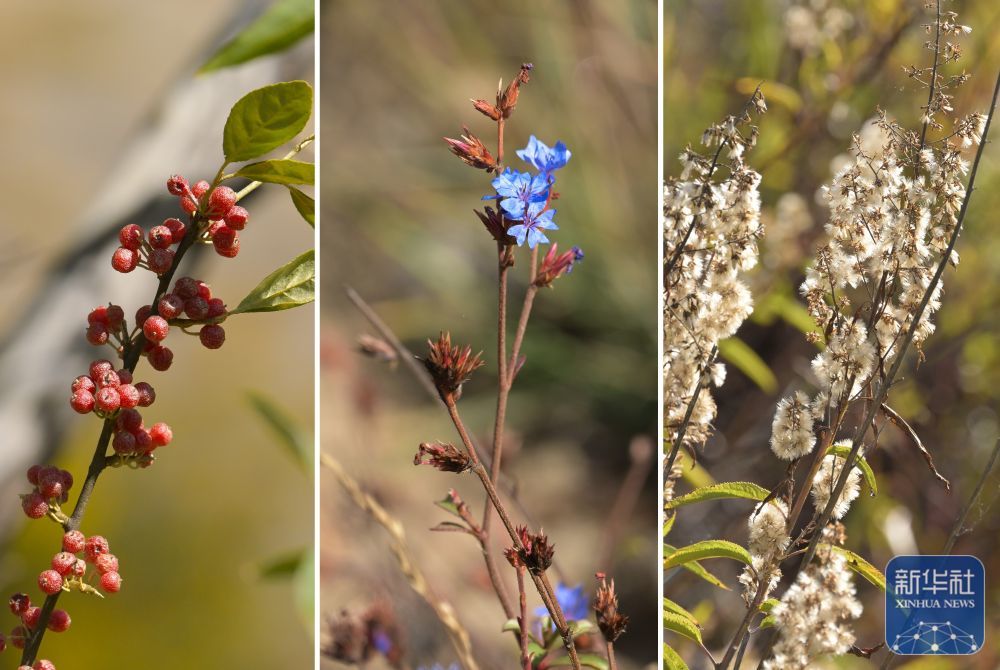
{"points": [[535, 219], [517, 191], [545, 159], [573, 601], [577, 257]]}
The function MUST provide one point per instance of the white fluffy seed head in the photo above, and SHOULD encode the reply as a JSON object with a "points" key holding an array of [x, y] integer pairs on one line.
{"points": [[792, 429], [826, 480]]}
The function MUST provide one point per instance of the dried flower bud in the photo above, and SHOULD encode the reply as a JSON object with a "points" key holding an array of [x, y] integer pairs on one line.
{"points": [[376, 348], [486, 108], [494, 222], [450, 367], [472, 151], [507, 100], [611, 622], [444, 457], [555, 265], [537, 553]]}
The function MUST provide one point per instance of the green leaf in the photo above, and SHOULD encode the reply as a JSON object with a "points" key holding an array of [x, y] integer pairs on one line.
{"points": [[279, 171], [448, 506], [747, 490], [682, 625], [281, 26], [697, 569], [746, 360], [707, 549], [289, 286], [861, 464], [283, 566], [305, 205], [265, 119], [672, 660], [285, 428], [768, 604], [768, 621], [670, 606], [668, 524], [511, 625], [861, 566], [581, 627]]}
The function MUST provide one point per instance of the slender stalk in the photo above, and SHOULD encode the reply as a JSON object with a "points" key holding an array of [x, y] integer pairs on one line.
{"points": [[522, 620], [610, 647], [682, 429]]}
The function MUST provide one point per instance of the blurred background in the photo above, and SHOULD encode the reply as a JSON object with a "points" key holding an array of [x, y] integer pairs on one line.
{"points": [[100, 110], [826, 65], [398, 227]]}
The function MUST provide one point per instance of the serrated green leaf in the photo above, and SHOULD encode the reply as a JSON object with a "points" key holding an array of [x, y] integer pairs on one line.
{"points": [[279, 171], [707, 549], [746, 360], [682, 625], [697, 568], [672, 660], [305, 205], [861, 566], [747, 490], [265, 119], [285, 428], [281, 26], [291, 285], [670, 606], [861, 464]]}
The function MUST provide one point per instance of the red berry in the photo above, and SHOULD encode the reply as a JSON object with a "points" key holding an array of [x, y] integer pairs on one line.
{"points": [[129, 420], [108, 379], [43, 664], [143, 313], [216, 308], [19, 603], [220, 201], [51, 486], [18, 637], [63, 562], [59, 621], [231, 252], [124, 443], [160, 358], [82, 401], [97, 334], [160, 237], [34, 505], [111, 582], [83, 383], [94, 547], [196, 308], [124, 376], [186, 287], [147, 395], [214, 227], [129, 396], [237, 218], [225, 238], [50, 581], [130, 237], [115, 317], [189, 205], [33, 473], [73, 541], [124, 260], [67, 479], [160, 260], [212, 336], [170, 306], [177, 185], [160, 434], [108, 400], [80, 568], [177, 229], [30, 618], [98, 315], [155, 328], [204, 291], [99, 367], [106, 563], [143, 442], [200, 188]]}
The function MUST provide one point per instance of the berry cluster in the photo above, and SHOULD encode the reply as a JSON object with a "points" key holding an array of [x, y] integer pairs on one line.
{"points": [[189, 303], [52, 487], [105, 392], [219, 208]]}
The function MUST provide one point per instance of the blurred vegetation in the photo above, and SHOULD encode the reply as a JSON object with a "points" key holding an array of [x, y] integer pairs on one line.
{"points": [[193, 532], [818, 94], [398, 226]]}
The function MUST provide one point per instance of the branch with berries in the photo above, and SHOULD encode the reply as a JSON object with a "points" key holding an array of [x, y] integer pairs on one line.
{"points": [[259, 123]]}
